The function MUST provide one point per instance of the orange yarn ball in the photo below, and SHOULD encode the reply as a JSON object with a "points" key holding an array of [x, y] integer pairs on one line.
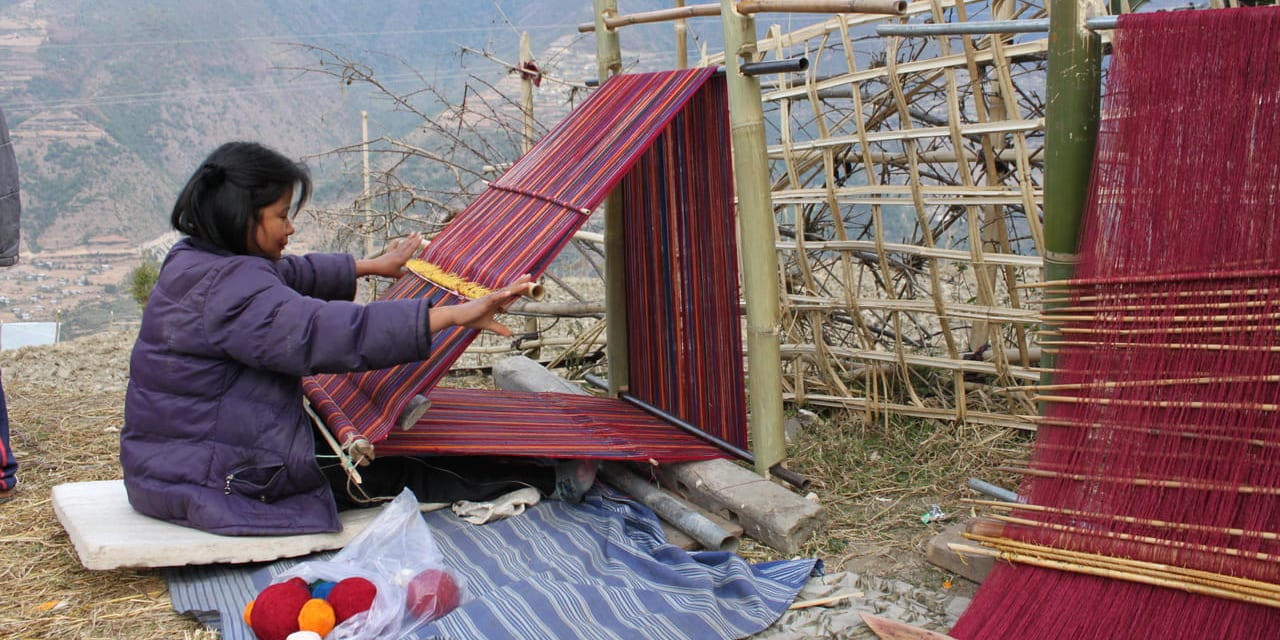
{"points": [[317, 615], [248, 610]]}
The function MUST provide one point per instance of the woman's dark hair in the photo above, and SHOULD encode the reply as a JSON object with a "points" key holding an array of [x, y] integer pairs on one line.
{"points": [[221, 202]]}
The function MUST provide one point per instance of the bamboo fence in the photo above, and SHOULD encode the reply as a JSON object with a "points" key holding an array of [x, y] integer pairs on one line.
{"points": [[906, 187]]}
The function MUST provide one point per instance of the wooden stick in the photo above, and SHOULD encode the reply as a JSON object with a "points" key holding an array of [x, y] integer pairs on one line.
{"points": [[1146, 522], [1164, 404], [1162, 382], [890, 7], [1155, 278], [1148, 540], [1168, 430], [1229, 304], [822, 602], [1199, 576], [1143, 295], [1162, 345], [1132, 570], [1154, 331], [1158, 319], [1143, 482]]}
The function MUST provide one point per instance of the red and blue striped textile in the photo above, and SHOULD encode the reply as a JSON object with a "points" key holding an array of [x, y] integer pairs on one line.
{"points": [[523, 220], [683, 321]]}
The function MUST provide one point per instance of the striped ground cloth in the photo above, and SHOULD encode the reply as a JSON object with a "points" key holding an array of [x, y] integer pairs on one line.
{"points": [[595, 571], [545, 425]]}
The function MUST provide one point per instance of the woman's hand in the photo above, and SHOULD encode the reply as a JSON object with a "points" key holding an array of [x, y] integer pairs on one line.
{"points": [[479, 313], [391, 262]]}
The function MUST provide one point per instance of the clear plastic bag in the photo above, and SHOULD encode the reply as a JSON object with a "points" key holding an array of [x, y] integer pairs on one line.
{"points": [[397, 553]]}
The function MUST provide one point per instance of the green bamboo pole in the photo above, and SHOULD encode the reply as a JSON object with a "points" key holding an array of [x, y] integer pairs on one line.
{"points": [[608, 63], [1071, 128], [758, 232]]}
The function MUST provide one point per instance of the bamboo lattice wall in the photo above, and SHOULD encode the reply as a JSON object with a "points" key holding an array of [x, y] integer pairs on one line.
{"points": [[906, 186]]}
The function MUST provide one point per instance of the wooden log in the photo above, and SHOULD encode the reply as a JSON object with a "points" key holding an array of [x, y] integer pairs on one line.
{"points": [[767, 511]]}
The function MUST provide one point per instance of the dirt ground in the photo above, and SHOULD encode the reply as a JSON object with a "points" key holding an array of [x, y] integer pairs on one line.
{"points": [[66, 403]]}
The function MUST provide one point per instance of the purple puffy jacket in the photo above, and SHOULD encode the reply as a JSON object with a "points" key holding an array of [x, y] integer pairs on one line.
{"points": [[215, 435]]}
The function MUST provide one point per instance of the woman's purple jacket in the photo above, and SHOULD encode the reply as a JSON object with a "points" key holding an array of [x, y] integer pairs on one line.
{"points": [[215, 436]]}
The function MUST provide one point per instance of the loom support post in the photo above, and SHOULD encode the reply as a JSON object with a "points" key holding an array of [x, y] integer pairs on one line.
{"points": [[1071, 125], [758, 231], [608, 63]]}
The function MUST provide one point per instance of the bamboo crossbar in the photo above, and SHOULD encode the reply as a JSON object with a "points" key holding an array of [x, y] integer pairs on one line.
{"points": [[1002, 259], [1181, 431], [1227, 317], [1231, 304], [954, 61], [1005, 420], [1239, 274], [914, 133], [1050, 346], [1156, 331], [1146, 295], [889, 196], [1143, 482], [747, 7], [1146, 522], [1163, 404], [1162, 382], [792, 350], [967, 311]]}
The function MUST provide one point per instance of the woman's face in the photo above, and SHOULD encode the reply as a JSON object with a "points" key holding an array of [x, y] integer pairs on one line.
{"points": [[269, 237]]}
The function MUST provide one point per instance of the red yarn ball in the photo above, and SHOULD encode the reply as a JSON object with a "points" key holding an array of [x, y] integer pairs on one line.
{"points": [[432, 594], [351, 596], [274, 614]]}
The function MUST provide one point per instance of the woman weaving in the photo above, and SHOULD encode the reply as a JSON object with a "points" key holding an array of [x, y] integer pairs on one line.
{"points": [[216, 436]]}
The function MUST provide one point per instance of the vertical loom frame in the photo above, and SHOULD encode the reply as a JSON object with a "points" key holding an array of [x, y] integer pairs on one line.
{"points": [[758, 230]]}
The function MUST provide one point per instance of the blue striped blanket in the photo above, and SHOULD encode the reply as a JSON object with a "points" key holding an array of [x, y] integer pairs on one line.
{"points": [[597, 570]]}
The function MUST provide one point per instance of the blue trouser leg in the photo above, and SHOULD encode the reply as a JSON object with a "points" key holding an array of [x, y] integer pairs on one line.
{"points": [[8, 464]]}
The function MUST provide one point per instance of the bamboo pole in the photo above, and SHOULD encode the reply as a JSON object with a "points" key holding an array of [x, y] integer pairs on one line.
{"points": [[891, 7], [758, 232], [1162, 404], [365, 204], [1226, 317], [1048, 347], [1158, 278], [1166, 293], [1144, 482], [608, 63], [1071, 114], [1179, 430], [531, 324], [682, 40], [746, 7], [1161, 382]]}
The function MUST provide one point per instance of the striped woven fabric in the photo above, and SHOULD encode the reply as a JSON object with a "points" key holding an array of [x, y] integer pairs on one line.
{"points": [[526, 217], [682, 275], [516, 423]]}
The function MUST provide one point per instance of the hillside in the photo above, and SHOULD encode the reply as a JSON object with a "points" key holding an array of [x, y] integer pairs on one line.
{"points": [[112, 102]]}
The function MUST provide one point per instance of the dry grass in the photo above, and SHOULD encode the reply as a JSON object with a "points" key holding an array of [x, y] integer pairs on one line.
{"points": [[65, 406]]}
